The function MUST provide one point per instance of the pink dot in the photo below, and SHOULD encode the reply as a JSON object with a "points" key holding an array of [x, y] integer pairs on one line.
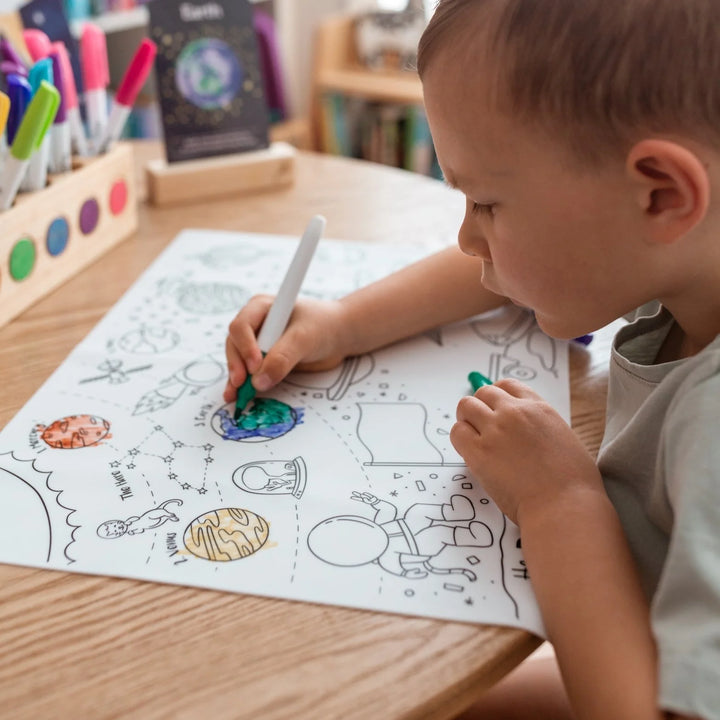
{"points": [[118, 197]]}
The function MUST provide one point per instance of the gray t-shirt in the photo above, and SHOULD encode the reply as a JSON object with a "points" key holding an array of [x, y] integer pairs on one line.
{"points": [[660, 461]]}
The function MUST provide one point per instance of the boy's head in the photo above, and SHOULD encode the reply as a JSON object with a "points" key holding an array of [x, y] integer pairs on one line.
{"points": [[585, 135], [599, 74]]}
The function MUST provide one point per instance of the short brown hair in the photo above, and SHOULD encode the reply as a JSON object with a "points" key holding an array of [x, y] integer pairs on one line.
{"points": [[597, 72]]}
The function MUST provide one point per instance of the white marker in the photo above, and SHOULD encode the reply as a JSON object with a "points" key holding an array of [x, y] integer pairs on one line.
{"points": [[277, 319]]}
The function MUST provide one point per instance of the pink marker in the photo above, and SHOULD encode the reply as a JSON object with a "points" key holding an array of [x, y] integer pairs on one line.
{"points": [[134, 78], [72, 109], [96, 77], [37, 43]]}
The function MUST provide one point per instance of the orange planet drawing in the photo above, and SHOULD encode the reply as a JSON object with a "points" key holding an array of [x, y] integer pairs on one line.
{"points": [[75, 431], [226, 534]]}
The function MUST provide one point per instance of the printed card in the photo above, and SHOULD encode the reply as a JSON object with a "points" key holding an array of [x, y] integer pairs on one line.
{"points": [[209, 78]]}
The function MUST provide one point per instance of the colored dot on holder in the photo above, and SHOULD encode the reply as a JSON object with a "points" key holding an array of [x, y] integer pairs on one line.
{"points": [[89, 216], [22, 258], [57, 236], [118, 197]]}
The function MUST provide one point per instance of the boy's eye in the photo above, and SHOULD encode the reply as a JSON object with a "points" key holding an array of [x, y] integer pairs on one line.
{"points": [[483, 209]]}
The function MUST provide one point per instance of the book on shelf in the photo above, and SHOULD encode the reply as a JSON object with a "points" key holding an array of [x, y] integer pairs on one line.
{"points": [[389, 133]]}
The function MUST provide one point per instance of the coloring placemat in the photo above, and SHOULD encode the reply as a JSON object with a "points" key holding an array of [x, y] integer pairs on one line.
{"points": [[340, 487]]}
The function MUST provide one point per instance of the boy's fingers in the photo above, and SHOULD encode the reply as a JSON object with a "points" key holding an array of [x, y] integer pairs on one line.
{"points": [[243, 331], [236, 366], [275, 367], [230, 392], [516, 389]]}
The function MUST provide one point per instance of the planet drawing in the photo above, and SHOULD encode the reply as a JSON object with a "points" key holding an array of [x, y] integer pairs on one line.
{"points": [[265, 420], [226, 534], [75, 431]]}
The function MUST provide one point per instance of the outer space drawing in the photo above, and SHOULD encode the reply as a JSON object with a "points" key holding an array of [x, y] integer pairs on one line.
{"points": [[339, 487]]}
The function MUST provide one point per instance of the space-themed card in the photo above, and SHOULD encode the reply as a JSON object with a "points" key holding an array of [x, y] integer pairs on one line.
{"points": [[209, 78]]}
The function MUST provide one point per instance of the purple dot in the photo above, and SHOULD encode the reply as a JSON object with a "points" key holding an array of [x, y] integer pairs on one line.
{"points": [[89, 215]]}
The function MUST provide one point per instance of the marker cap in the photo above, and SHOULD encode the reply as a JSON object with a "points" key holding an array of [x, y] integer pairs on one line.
{"points": [[37, 43], [41, 70], [20, 93], [8, 67], [70, 96], [4, 110], [36, 121], [8, 52], [136, 73], [93, 50], [59, 81]]}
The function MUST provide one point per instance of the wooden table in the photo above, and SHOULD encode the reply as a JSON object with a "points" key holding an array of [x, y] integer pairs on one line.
{"points": [[74, 646]]}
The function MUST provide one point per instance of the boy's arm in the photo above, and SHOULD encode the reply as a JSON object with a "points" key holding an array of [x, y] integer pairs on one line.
{"points": [[437, 290], [594, 610], [580, 565]]}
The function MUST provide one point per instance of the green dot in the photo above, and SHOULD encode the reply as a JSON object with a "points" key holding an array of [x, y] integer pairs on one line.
{"points": [[22, 259]]}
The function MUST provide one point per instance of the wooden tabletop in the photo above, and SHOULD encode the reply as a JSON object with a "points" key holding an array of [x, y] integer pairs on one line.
{"points": [[75, 646]]}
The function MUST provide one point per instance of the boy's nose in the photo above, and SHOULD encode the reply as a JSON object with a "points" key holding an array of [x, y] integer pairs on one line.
{"points": [[470, 238]]}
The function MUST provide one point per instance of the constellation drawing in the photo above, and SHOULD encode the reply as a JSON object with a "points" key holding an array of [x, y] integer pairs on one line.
{"points": [[186, 465]]}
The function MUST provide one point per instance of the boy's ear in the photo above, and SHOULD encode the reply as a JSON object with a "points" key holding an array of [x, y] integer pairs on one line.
{"points": [[672, 187]]}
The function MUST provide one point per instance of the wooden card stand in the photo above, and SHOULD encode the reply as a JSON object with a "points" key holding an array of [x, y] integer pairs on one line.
{"points": [[196, 180], [49, 235]]}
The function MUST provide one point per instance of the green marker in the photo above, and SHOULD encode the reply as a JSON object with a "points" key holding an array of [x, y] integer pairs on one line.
{"points": [[477, 380], [35, 123], [279, 314]]}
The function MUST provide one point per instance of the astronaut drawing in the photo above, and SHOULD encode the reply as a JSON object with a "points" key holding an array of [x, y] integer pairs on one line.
{"points": [[404, 545], [136, 524]]}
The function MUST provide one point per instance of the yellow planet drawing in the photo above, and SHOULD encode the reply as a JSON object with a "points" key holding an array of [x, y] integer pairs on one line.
{"points": [[226, 534]]}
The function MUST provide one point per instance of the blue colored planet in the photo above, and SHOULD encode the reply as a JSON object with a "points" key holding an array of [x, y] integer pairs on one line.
{"points": [[208, 73]]}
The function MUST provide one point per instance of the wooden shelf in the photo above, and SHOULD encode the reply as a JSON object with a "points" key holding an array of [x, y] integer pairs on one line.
{"points": [[337, 69], [399, 87]]}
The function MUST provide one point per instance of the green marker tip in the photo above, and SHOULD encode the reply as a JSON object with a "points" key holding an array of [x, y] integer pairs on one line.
{"points": [[477, 380], [245, 393]]}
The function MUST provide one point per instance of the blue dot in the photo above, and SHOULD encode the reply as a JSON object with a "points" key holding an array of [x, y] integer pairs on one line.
{"points": [[57, 236]]}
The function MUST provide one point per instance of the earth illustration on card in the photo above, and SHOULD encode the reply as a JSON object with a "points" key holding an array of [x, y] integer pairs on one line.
{"points": [[208, 73]]}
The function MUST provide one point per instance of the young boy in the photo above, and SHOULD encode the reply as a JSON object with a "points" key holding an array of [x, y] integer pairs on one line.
{"points": [[585, 135]]}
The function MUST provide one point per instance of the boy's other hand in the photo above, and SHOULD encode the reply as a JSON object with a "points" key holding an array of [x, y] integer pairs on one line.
{"points": [[312, 341], [520, 449]]}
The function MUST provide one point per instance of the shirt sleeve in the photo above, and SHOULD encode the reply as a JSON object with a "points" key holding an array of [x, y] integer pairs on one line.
{"points": [[686, 607]]}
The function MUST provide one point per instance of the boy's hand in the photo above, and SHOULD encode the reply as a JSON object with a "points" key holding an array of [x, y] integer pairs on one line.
{"points": [[520, 449], [312, 341]]}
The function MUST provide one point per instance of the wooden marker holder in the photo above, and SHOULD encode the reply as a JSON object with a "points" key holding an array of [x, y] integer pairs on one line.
{"points": [[49, 235], [196, 180]]}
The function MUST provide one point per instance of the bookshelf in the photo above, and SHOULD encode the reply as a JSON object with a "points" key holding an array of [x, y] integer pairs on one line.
{"points": [[338, 69], [338, 73]]}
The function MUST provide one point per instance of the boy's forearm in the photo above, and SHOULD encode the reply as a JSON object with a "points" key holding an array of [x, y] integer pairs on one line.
{"points": [[594, 609], [441, 289]]}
